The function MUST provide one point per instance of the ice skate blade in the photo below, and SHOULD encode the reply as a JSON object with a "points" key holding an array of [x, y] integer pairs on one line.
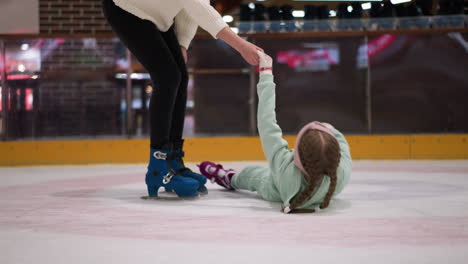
{"points": [[205, 192], [169, 198]]}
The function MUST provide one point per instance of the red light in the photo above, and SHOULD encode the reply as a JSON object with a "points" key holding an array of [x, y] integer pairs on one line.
{"points": [[28, 99], [18, 77]]}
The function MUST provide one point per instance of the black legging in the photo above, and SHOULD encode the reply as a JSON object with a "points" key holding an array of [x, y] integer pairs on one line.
{"points": [[160, 54]]}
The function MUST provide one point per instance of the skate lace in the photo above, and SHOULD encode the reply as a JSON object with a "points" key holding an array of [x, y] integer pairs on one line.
{"points": [[222, 179], [226, 179]]}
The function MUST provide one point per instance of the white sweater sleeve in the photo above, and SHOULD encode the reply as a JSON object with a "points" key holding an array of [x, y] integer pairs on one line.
{"points": [[185, 28], [204, 15]]}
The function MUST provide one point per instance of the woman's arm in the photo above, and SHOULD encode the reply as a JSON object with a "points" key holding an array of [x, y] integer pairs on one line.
{"points": [[204, 15], [210, 20]]}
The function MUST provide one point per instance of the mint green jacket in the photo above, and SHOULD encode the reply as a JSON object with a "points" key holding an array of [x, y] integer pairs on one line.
{"points": [[282, 180]]}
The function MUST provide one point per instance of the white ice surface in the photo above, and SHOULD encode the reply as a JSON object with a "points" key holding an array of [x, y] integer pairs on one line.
{"points": [[391, 212]]}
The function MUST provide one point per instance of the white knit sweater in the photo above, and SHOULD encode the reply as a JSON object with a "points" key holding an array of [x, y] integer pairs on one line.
{"points": [[186, 14]]}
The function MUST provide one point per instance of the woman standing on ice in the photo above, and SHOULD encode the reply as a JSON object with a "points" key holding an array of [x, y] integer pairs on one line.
{"points": [[158, 33]]}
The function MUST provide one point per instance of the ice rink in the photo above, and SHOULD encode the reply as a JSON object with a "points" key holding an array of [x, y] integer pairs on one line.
{"points": [[391, 212]]}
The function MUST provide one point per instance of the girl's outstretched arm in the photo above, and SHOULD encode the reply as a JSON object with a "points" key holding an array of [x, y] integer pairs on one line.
{"points": [[274, 146]]}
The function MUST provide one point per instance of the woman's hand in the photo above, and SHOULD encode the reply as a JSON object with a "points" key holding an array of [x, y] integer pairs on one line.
{"points": [[184, 53], [249, 52]]}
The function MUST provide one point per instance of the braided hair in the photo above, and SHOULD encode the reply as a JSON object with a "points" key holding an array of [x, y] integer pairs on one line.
{"points": [[320, 155]]}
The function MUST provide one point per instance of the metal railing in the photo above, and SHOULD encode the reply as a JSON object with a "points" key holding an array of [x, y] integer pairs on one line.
{"points": [[358, 24]]}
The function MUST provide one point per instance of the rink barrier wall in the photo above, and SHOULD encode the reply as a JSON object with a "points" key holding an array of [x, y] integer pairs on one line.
{"points": [[121, 151]]}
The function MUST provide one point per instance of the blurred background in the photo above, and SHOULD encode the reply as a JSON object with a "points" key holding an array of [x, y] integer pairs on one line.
{"points": [[381, 67]]}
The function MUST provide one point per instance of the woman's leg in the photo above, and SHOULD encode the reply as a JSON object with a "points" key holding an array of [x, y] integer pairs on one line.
{"points": [[148, 45], [146, 42], [178, 115]]}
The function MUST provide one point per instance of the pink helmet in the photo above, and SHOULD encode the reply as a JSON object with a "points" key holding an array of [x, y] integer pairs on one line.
{"points": [[313, 125]]}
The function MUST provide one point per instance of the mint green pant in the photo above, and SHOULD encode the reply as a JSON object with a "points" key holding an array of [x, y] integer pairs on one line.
{"points": [[257, 179]]}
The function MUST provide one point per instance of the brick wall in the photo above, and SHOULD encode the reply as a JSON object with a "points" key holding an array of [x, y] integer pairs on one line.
{"points": [[79, 54], [78, 95], [72, 17], [76, 108]]}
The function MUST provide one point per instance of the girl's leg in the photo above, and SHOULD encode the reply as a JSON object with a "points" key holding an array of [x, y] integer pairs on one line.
{"points": [[253, 178], [257, 179], [149, 46]]}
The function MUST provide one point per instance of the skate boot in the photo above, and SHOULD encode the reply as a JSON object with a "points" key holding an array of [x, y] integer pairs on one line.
{"points": [[216, 173], [178, 165], [162, 173]]}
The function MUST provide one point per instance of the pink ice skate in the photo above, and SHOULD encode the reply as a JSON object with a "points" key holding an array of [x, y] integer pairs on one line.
{"points": [[216, 173]]}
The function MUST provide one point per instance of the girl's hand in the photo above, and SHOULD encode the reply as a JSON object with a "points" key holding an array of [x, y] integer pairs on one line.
{"points": [[184, 53], [249, 53], [265, 60]]}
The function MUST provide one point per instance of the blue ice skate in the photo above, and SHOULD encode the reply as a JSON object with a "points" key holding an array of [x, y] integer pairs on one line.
{"points": [[162, 173], [178, 165]]}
